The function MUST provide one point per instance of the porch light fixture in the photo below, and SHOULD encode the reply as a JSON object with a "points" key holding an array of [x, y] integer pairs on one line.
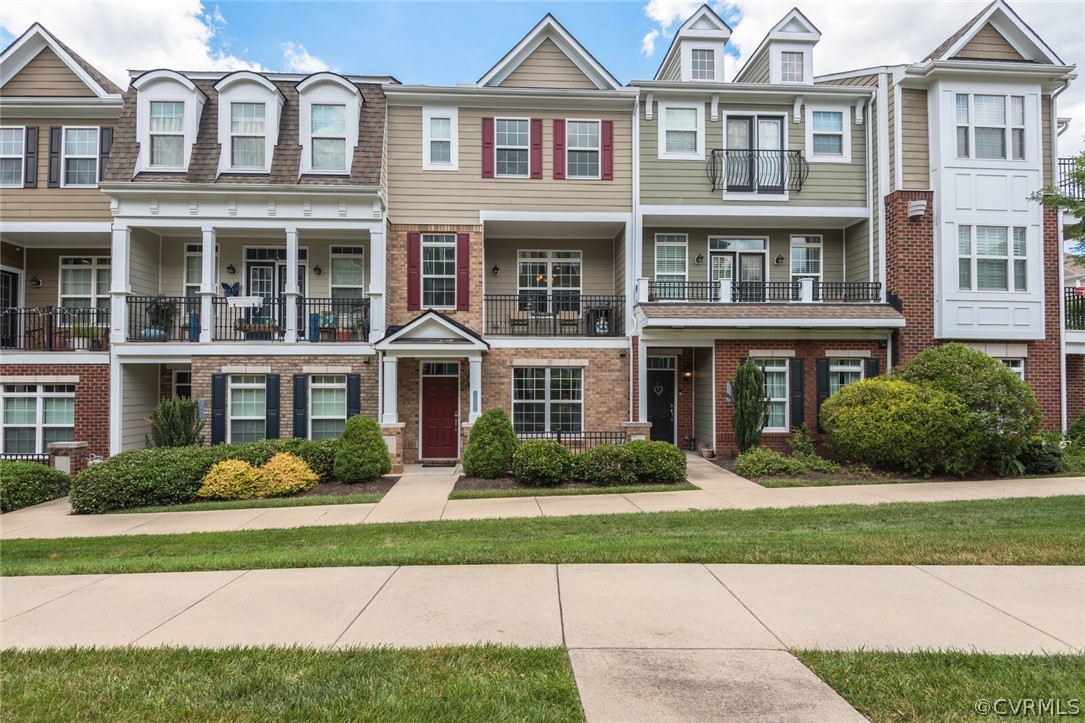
{"points": [[778, 260], [495, 270], [35, 281], [687, 375], [699, 260], [317, 270], [231, 270]]}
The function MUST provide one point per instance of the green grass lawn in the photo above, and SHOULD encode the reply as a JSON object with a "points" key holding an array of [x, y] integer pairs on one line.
{"points": [[933, 686], [306, 501], [559, 491], [486, 683], [831, 482], [1038, 531]]}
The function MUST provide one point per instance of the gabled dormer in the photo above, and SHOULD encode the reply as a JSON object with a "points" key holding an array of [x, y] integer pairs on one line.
{"points": [[697, 51], [249, 110], [997, 33], [168, 111], [786, 55]]}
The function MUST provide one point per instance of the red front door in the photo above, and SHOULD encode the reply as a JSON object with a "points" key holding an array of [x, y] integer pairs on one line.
{"points": [[440, 435]]}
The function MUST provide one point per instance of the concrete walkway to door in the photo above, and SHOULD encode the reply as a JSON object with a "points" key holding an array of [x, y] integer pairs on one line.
{"points": [[420, 494]]}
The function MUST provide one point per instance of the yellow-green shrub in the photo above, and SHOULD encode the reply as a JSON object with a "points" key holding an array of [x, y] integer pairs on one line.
{"points": [[230, 479], [284, 474]]}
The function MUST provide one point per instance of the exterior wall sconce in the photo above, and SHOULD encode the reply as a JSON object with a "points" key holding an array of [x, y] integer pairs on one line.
{"points": [[317, 270], [231, 270], [35, 281], [699, 260], [687, 375], [778, 260], [495, 270]]}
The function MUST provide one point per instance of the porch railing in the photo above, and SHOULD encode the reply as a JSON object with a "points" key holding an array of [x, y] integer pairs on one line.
{"points": [[699, 292], [26, 457], [750, 171], [1075, 309], [163, 318], [577, 442], [54, 328], [326, 320], [1067, 185], [559, 314]]}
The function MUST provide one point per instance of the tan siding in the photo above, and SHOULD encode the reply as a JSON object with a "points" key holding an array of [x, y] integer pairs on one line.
{"points": [[45, 264], [864, 81], [619, 264], [597, 263], [915, 143], [857, 252], [989, 44], [46, 75], [141, 392], [702, 396], [11, 256], [1045, 108], [891, 115], [547, 67], [417, 196], [758, 71], [144, 267]]}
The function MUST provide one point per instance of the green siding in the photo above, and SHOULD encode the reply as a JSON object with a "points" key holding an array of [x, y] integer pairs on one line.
{"points": [[758, 71], [857, 251]]}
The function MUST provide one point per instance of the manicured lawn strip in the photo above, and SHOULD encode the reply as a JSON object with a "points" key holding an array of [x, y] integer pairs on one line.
{"points": [[831, 482], [308, 501], [1040, 531], [934, 686], [261, 684], [559, 491]]}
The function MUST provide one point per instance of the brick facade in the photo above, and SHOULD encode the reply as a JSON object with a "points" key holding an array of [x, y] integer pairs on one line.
{"points": [[396, 285], [91, 398]]}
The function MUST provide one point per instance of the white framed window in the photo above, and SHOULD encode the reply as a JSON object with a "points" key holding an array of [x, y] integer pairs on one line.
{"points": [[1017, 366], [992, 258], [681, 131], [167, 130], [439, 270], [248, 136], [247, 408], [806, 257], [34, 415], [582, 149], [181, 385], [328, 131], [755, 148], [194, 268], [549, 281], [547, 400], [440, 138], [776, 371], [843, 372], [990, 127], [347, 279], [329, 114], [512, 143], [80, 157], [327, 405], [828, 134], [702, 64], [12, 155], [671, 266], [792, 68], [84, 282]]}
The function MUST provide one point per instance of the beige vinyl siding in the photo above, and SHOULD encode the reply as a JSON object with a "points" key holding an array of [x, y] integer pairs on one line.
{"points": [[857, 252], [46, 76], [11, 256], [45, 264], [596, 265], [54, 204], [456, 197], [1045, 109], [674, 73], [702, 397], [989, 44], [140, 385], [619, 263], [891, 116], [758, 71], [685, 182], [864, 81], [145, 264], [914, 139], [547, 67], [832, 264]]}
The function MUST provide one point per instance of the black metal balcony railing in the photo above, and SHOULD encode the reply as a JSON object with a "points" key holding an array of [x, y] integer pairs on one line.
{"points": [[559, 314], [1067, 185], [696, 292], [748, 171], [1075, 309], [163, 318], [847, 291], [54, 328], [333, 320], [577, 442]]}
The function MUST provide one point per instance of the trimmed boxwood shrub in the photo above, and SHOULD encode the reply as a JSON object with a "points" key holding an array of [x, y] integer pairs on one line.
{"points": [[362, 454], [28, 483], [284, 474], [490, 446], [762, 462], [607, 464], [659, 463], [896, 425], [542, 463], [230, 479]]}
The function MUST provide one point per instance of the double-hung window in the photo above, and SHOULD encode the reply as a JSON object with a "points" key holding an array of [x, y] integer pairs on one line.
{"points": [[548, 400], [805, 258], [791, 67], [248, 135], [670, 281], [549, 281], [12, 147], [34, 415], [990, 127], [702, 64], [828, 133], [84, 282], [182, 383], [167, 129], [682, 131], [80, 156], [348, 286], [511, 145], [247, 408], [843, 372], [194, 269], [329, 134], [440, 138], [992, 258], [439, 270], [776, 393], [582, 149], [327, 406]]}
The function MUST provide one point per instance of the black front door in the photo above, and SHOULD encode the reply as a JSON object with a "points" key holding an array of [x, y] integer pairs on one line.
{"points": [[661, 404], [9, 315]]}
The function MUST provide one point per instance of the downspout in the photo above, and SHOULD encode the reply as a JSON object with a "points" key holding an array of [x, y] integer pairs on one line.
{"points": [[633, 252], [1055, 133], [883, 179], [869, 189]]}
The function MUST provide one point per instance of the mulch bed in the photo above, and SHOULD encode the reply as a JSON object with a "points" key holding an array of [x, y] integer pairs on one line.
{"points": [[377, 486]]}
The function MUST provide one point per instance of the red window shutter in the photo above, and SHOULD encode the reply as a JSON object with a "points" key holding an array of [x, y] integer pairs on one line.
{"points": [[487, 147], [607, 142], [463, 271], [536, 148], [559, 148], [414, 271]]}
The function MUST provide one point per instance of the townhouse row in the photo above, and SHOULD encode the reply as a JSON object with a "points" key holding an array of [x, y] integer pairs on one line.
{"points": [[594, 258]]}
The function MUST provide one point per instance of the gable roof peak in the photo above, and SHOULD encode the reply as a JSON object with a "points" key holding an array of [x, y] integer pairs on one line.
{"points": [[1009, 24], [36, 38]]}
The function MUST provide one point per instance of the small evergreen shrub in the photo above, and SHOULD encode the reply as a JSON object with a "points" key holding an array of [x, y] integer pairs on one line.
{"points": [[284, 474], [29, 483], [175, 422], [802, 445], [230, 479], [750, 405], [362, 454], [607, 464], [762, 462], [658, 463], [1041, 455], [542, 463], [490, 446]]}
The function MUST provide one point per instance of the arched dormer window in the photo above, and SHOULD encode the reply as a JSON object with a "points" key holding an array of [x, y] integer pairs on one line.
{"points": [[250, 107], [329, 110], [168, 109]]}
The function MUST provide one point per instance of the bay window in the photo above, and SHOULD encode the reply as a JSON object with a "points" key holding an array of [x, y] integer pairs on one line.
{"points": [[548, 400]]}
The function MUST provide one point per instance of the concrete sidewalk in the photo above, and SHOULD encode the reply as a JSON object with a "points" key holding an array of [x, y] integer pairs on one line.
{"points": [[694, 642], [422, 494]]}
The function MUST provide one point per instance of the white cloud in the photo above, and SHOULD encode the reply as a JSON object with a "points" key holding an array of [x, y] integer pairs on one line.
{"points": [[296, 59], [648, 44], [665, 14]]}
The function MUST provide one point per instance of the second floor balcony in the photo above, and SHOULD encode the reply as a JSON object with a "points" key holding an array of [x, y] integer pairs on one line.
{"points": [[756, 171], [54, 328], [757, 292], [1075, 309], [557, 314]]}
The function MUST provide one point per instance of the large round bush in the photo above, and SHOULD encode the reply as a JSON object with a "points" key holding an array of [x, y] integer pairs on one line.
{"points": [[607, 464], [896, 425], [1004, 408], [490, 446], [542, 463], [27, 483], [230, 479], [659, 463], [362, 454], [141, 478], [284, 474]]}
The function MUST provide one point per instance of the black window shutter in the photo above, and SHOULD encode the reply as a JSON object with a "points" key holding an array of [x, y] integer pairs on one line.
{"points": [[354, 394], [55, 139], [301, 405], [30, 166], [872, 367], [823, 385], [797, 411], [272, 414], [218, 408], [105, 145]]}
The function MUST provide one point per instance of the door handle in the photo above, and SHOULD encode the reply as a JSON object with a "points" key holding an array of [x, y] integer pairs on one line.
{"points": [[672, 411]]}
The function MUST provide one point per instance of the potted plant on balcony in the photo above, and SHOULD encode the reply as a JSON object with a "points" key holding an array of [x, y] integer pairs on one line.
{"points": [[88, 336], [257, 328], [158, 315], [361, 321]]}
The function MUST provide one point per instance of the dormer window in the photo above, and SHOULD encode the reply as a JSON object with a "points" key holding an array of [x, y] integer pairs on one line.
{"points": [[703, 64], [168, 110], [791, 67], [167, 129], [329, 110], [248, 122], [248, 135], [329, 134]]}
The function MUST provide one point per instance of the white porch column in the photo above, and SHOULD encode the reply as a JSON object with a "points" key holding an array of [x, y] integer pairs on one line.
{"points": [[475, 383], [377, 275], [116, 406], [207, 285], [642, 380], [291, 292], [120, 287], [388, 393]]}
